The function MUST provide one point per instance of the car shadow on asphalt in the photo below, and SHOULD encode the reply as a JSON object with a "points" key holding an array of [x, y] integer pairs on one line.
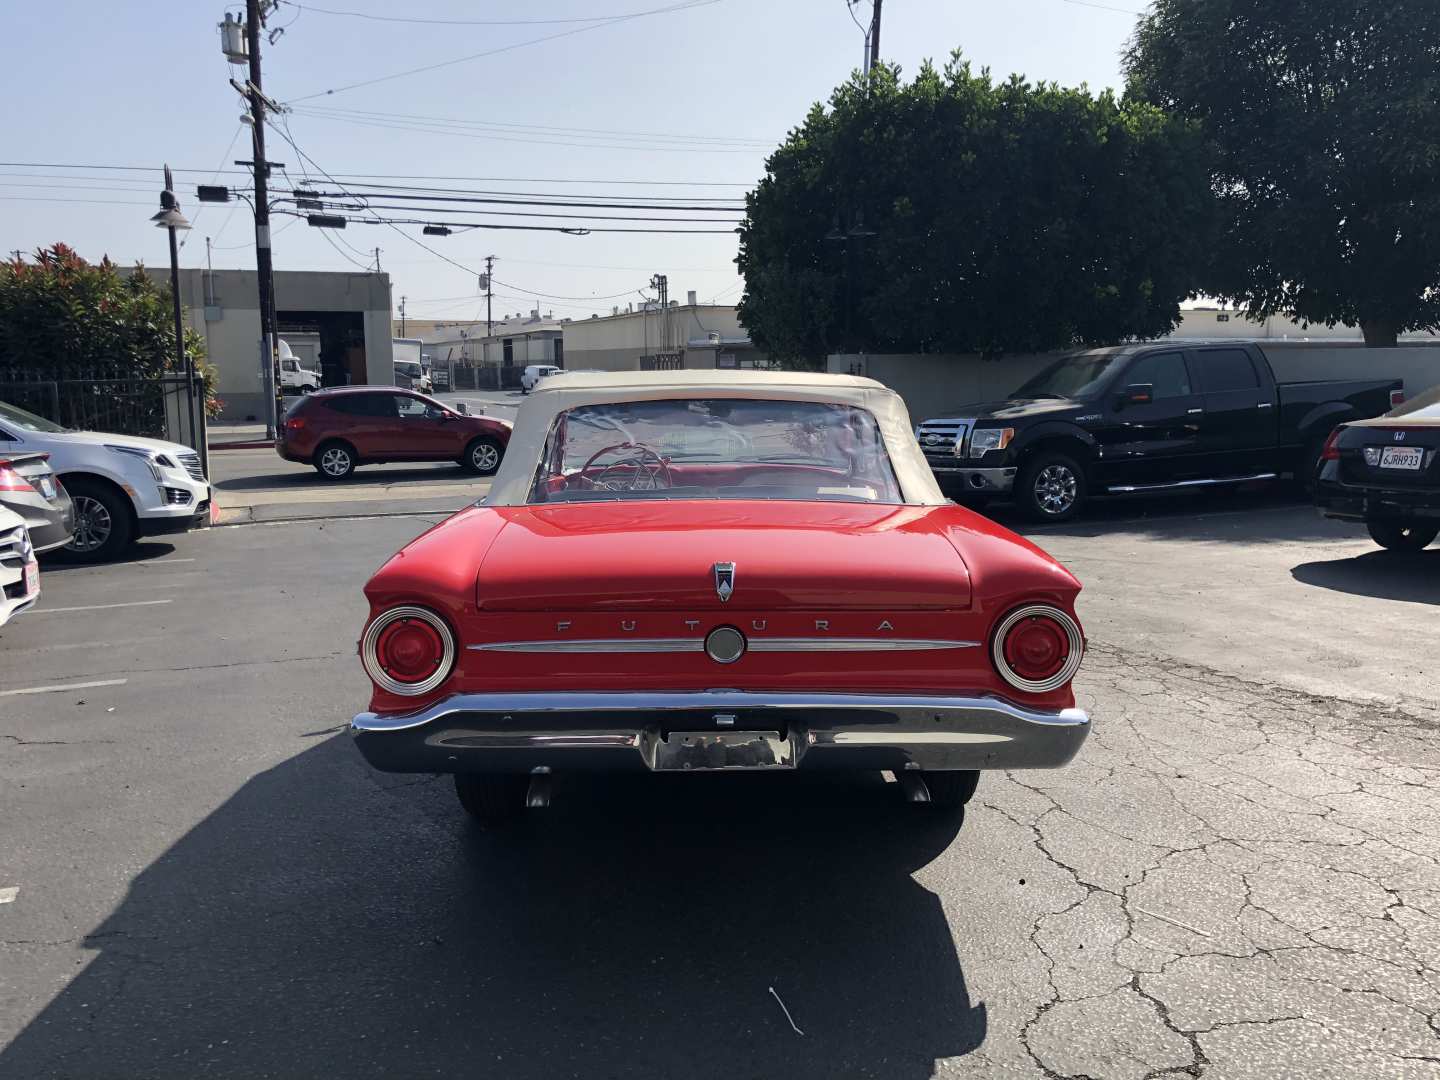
{"points": [[141, 551], [443, 472], [1411, 576], [330, 921], [1243, 515]]}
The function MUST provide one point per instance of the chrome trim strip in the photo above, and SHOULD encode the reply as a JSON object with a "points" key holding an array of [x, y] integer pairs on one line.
{"points": [[755, 644], [637, 705], [596, 645], [820, 644], [1131, 489]]}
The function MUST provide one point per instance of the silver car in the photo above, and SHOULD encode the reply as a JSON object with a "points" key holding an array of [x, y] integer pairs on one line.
{"points": [[30, 488]]}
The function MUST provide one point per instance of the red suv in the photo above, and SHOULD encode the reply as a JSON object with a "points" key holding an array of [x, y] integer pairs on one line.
{"points": [[338, 429]]}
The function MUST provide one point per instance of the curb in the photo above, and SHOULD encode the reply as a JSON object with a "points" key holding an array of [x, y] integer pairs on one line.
{"points": [[253, 444]]}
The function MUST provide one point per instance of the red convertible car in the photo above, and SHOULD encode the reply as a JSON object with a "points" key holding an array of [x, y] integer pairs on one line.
{"points": [[711, 570]]}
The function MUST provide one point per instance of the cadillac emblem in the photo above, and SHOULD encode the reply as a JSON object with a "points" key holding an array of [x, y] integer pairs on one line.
{"points": [[724, 580]]}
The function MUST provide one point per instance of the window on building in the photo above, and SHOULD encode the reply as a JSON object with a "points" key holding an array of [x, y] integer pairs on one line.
{"points": [[508, 348], [559, 352]]}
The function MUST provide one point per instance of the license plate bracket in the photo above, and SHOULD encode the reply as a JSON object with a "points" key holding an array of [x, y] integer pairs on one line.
{"points": [[1402, 457], [32, 578], [723, 751]]}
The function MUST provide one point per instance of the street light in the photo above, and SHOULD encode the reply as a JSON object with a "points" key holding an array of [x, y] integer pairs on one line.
{"points": [[171, 219]]}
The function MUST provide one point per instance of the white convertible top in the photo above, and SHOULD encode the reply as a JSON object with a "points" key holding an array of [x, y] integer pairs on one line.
{"points": [[560, 393]]}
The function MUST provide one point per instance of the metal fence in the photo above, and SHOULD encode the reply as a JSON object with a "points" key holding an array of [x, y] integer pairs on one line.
{"points": [[124, 406]]}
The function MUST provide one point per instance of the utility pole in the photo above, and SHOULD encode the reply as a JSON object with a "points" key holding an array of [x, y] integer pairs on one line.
{"points": [[875, 35], [264, 266], [661, 284], [402, 316], [489, 294], [377, 260]]}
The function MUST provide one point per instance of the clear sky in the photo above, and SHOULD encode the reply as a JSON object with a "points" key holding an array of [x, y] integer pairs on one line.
{"points": [[696, 96]]}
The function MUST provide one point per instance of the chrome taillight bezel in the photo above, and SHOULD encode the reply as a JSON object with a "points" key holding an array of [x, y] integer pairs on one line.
{"points": [[371, 661], [1074, 635]]}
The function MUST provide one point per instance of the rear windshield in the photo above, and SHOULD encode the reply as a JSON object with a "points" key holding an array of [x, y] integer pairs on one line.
{"points": [[715, 448]]}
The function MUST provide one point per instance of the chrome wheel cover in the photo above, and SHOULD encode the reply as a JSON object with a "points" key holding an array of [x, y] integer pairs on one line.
{"points": [[1056, 488], [93, 525], [484, 457], [335, 462]]}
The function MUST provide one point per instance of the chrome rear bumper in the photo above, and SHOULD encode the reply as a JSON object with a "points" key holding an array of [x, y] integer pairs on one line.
{"points": [[717, 730]]}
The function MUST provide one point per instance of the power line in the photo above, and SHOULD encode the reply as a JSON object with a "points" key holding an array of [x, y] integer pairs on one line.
{"points": [[397, 176], [375, 219], [439, 129], [460, 22], [331, 240], [1103, 7], [368, 205], [556, 296], [686, 5], [325, 110], [493, 201]]}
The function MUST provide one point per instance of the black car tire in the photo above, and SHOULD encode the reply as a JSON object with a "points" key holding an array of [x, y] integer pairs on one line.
{"points": [[1050, 487], [492, 799], [1402, 535], [951, 789], [478, 457], [111, 521], [334, 460]]}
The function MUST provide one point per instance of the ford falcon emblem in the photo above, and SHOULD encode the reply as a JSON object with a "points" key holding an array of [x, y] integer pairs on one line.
{"points": [[724, 580]]}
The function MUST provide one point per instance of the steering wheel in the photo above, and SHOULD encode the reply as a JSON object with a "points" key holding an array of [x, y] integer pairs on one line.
{"points": [[641, 469]]}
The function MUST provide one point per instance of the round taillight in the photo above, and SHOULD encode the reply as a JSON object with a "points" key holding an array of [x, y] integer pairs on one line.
{"points": [[408, 650], [1038, 648]]}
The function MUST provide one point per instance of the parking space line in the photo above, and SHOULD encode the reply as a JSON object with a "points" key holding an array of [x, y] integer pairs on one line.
{"points": [[95, 607], [60, 688], [161, 562]]}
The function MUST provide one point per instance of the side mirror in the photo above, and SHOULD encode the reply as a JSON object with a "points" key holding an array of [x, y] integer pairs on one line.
{"points": [[1138, 394]]}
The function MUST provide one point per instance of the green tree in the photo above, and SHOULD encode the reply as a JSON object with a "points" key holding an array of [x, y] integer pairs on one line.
{"points": [[1006, 217], [1325, 121], [64, 319]]}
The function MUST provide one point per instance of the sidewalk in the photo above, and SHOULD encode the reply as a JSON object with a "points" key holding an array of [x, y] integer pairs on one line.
{"points": [[228, 435]]}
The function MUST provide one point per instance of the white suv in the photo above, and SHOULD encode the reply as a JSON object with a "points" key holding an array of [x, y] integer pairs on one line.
{"points": [[19, 573], [123, 486]]}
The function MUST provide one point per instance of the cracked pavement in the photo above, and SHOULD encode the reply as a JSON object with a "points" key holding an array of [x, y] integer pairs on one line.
{"points": [[1239, 876]]}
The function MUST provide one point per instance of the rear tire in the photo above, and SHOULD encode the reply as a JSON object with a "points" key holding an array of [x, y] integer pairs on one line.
{"points": [[104, 522], [334, 460], [1402, 535], [1050, 487], [492, 799], [1307, 466], [482, 456], [952, 789]]}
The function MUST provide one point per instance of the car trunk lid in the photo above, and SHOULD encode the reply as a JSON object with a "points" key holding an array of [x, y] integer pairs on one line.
{"points": [[658, 556]]}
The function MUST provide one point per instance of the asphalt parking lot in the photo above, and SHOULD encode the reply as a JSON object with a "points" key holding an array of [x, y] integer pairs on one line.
{"points": [[1237, 878]]}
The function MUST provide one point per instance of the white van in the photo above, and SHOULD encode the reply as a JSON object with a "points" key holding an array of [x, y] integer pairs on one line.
{"points": [[533, 374]]}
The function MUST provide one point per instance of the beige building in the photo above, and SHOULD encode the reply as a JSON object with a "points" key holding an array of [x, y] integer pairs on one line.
{"points": [[341, 320], [650, 338]]}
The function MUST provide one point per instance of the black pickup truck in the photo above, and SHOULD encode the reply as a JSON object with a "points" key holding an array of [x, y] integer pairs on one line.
{"points": [[1143, 418]]}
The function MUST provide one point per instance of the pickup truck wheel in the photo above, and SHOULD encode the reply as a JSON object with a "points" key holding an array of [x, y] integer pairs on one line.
{"points": [[334, 460], [1402, 535], [492, 799], [104, 522], [1305, 466], [482, 456], [951, 790], [1050, 487]]}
